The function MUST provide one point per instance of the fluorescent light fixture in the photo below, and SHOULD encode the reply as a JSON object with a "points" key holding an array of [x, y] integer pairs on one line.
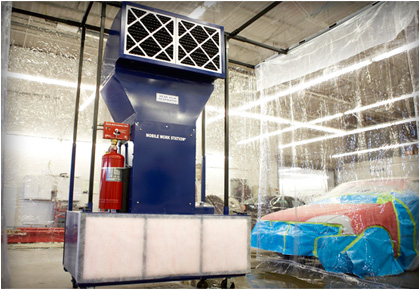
{"points": [[327, 77], [209, 4], [260, 117], [387, 147], [271, 119], [315, 82], [292, 169], [248, 115], [307, 175], [382, 103], [279, 120], [326, 118], [396, 51], [199, 11], [56, 82], [356, 131], [306, 85], [292, 128], [260, 137], [49, 81], [301, 172], [87, 102]]}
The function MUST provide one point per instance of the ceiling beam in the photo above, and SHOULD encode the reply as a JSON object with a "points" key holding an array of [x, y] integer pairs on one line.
{"points": [[83, 23], [253, 19], [242, 63], [246, 40]]}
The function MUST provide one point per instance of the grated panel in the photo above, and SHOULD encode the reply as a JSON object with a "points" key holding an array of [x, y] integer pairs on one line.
{"points": [[199, 46], [149, 34], [165, 38]]}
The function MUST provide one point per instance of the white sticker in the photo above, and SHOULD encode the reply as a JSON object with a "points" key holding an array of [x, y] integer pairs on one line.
{"points": [[113, 174], [164, 98]]}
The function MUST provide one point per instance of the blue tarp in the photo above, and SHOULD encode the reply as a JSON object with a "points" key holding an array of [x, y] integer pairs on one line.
{"points": [[370, 253]]}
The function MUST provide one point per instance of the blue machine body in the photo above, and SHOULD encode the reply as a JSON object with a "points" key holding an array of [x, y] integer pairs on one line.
{"points": [[160, 89]]}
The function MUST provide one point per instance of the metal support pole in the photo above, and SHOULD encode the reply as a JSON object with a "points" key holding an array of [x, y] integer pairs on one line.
{"points": [[226, 191], [76, 119], [95, 110], [203, 154], [76, 109]]}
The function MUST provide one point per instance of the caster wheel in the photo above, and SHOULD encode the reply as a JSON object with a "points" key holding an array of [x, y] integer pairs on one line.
{"points": [[202, 284], [224, 284], [74, 283]]}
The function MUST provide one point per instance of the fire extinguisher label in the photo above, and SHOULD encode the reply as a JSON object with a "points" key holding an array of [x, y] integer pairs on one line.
{"points": [[113, 174]]}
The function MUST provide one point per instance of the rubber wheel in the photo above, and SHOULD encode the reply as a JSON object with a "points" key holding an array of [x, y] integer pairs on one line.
{"points": [[74, 283], [202, 284], [224, 284]]}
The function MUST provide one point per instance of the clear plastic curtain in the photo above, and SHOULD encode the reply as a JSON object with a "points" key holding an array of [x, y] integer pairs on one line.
{"points": [[41, 81], [344, 110]]}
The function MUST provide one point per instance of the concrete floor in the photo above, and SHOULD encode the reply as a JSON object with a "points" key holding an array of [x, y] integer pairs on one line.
{"points": [[39, 266]]}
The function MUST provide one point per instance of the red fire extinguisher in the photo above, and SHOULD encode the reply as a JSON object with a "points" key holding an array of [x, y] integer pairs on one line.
{"points": [[111, 186]]}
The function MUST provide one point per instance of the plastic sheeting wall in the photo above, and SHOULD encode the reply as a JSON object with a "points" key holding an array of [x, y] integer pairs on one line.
{"points": [[346, 104], [39, 112], [243, 165]]}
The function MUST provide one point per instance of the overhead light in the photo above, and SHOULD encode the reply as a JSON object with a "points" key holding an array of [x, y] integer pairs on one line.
{"points": [[288, 170], [301, 172], [56, 82], [292, 128], [273, 119], [326, 118], [327, 77], [382, 103], [307, 175], [199, 11], [260, 137], [383, 148], [356, 131], [329, 118], [396, 51], [305, 85], [50, 81], [316, 81], [260, 117], [88, 102], [237, 113]]}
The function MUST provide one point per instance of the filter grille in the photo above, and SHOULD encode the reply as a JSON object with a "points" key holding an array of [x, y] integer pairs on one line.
{"points": [[169, 39], [149, 35]]}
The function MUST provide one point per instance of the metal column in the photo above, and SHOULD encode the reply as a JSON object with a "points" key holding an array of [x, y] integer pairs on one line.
{"points": [[95, 110], [226, 167], [203, 154], [76, 109]]}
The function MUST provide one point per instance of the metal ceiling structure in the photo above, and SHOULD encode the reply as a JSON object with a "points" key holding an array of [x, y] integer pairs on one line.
{"points": [[258, 30]]}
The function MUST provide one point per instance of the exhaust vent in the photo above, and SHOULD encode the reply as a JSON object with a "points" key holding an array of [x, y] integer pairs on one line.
{"points": [[166, 38]]}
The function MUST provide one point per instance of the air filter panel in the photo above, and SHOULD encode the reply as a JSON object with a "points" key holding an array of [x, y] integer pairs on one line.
{"points": [[154, 35]]}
